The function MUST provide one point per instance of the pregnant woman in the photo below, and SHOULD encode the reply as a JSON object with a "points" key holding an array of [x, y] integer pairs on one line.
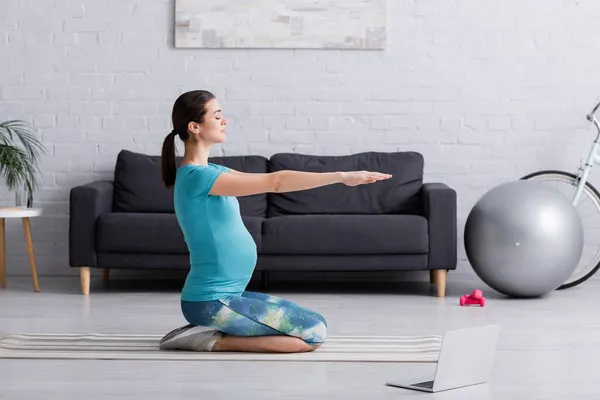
{"points": [[222, 315]]}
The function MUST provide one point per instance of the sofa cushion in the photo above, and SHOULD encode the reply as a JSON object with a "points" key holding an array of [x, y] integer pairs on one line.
{"points": [[393, 196], [138, 183], [151, 233], [345, 234]]}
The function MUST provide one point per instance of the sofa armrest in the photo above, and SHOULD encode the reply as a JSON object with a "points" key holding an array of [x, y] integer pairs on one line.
{"points": [[86, 203], [440, 209]]}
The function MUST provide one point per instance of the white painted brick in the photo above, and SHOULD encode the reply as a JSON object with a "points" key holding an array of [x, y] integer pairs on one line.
{"points": [[404, 121], [521, 123], [270, 123], [451, 124], [230, 149], [63, 136], [136, 108], [44, 121], [297, 123], [64, 39], [339, 95], [51, 209], [320, 123], [337, 150], [377, 123], [30, 38], [247, 95], [479, 137], [66, 121], [498, 168], [48, 179], [316, 108], [328, 138], [123, 123], [53, 194], [11, 79], [259, 79], [316, 81], [75, 65], [446, 168], [253, 64], [268, 109], [159, 124], [49, 80], [104, 164], [110, 136], [44, 107], [87, 24], [89, 122], [386, 108], [90, 108], [77, 150], [91, 80], [52, 163], [110, 38], [22, 93], [302, 65], [252, 123], [69, 93], [500, 123], [293, 137]]}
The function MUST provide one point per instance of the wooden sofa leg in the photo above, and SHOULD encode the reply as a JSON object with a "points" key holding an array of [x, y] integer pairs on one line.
{"points": [[105, 275], [440, 280], [84, 276]]}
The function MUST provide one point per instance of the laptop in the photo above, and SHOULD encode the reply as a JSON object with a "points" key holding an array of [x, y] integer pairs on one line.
{"points": [[466, 359]]}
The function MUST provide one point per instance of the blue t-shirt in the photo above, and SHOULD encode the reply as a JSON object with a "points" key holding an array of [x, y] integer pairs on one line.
{"points": [[222, 251]]}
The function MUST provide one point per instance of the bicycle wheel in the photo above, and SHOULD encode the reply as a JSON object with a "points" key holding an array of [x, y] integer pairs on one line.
{"points": [[588, 208]]}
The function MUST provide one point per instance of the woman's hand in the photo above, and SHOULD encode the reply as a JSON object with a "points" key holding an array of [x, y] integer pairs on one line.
{"points": [[355, 178]]}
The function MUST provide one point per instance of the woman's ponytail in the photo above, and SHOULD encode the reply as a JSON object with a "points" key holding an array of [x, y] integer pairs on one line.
{"points": [[190, 106], [168, 160]]}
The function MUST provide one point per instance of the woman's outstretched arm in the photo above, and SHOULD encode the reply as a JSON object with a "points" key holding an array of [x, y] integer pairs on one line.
{"points": [[245, 184]]}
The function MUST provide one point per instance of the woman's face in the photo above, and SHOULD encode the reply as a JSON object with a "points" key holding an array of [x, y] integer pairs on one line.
{"points": [[213, 128]]}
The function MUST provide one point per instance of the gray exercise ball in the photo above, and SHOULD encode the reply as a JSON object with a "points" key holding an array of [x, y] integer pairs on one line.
{"points": [[524, 238]]}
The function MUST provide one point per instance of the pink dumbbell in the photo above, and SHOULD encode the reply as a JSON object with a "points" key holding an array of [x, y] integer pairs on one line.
{"points": [[475, 298]]}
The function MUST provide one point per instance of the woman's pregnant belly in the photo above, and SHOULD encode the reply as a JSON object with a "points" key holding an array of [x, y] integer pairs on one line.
{"points": [[224, 268]]}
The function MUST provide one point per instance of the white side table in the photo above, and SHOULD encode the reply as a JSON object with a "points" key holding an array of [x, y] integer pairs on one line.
{"points": [[24, 214]]}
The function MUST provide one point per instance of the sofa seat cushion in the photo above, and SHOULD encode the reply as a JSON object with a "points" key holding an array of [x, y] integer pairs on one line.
{"points": [[151, 233], [345, 234]]}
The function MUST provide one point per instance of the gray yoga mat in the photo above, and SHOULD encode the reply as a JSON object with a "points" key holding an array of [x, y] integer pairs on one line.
{"points": [[102, 346]]}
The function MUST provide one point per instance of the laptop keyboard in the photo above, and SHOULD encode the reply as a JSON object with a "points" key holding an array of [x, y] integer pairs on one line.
{"points": [[427, 385]]}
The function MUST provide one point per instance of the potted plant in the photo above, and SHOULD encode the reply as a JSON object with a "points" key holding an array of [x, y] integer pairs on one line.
{"points": [[20, 151]]}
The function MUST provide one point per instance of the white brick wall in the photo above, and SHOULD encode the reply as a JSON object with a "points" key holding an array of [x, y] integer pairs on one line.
{"points": [[487, 90]]}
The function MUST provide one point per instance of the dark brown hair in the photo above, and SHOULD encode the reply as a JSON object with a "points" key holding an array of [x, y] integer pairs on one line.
{"points": [[189, 107]]}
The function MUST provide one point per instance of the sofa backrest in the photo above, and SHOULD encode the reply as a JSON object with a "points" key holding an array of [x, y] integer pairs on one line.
{"points": [[138, 183], [398, 195]]}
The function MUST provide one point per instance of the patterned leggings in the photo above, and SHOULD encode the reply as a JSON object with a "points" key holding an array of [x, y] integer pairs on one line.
{"points": [[257, 314]]}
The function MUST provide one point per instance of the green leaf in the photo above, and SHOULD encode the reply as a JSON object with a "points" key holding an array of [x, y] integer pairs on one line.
{"points": [[20, 151]]}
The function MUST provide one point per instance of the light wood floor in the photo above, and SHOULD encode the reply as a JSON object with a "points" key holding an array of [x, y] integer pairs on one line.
{"points": [[549, 348]]}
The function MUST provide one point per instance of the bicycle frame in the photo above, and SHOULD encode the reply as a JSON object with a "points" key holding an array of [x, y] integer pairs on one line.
{"points": [[592, 158]]}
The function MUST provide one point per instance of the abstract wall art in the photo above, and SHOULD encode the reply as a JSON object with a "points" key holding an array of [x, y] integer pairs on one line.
{"points": [[311, 24]]}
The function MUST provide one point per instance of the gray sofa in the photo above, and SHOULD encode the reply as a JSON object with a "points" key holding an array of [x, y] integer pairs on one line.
{"points": [[398, 224]]}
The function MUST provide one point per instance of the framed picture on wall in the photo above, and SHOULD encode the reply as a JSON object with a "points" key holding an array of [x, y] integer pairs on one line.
{"points": [[333, 24]]}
